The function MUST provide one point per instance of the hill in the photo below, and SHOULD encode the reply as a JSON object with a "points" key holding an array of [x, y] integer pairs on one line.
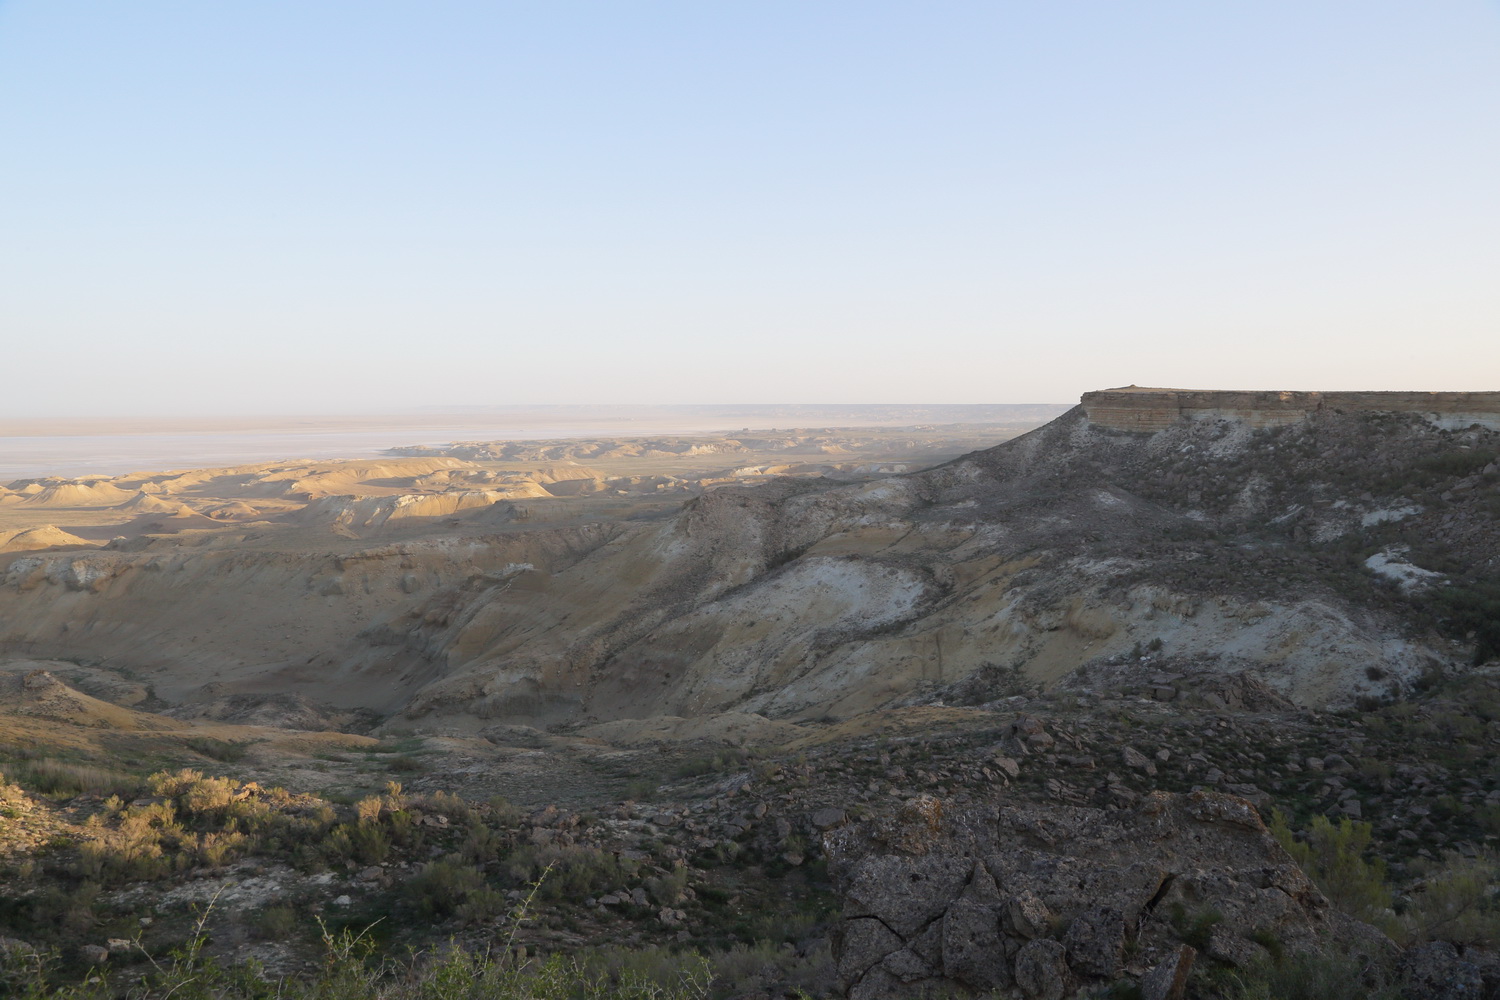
{"points": [[1008, 722], [1210, 543], [1344, 555]]}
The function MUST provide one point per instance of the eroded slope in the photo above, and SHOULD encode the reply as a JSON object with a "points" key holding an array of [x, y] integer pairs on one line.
{"points": [[1339, 557]]}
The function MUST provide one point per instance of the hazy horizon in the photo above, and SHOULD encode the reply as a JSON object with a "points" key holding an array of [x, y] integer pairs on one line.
{"points": [[73, 447], [304, 209]]}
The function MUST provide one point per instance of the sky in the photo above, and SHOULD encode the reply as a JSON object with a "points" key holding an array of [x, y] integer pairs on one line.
{"points": [[303, 206]]}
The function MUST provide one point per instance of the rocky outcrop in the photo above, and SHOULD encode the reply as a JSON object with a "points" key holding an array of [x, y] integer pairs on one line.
{"points": [[363, 513], [1134, 408], [1045, 901]]}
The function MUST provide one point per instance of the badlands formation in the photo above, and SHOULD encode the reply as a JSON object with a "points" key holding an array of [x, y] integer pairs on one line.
{"points": [[446, 593], [921, 712]]}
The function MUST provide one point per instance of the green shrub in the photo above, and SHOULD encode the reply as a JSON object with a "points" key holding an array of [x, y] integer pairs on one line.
{"points": [[221, 750], [1488, 817], [640, 789], [443, 887], [502, 812], [1333, 855], [454, 973], [147, 842], [1310, 977], [1456, 463], [1457, 903], [483, 845], [717, 763], [55, 777], [460, 973], [1268, 940], [337, 846], [370, 843], [1194, 929], [55, 914], [1471, 607], [455, 807], [744, 969], [571, 872], [218, 849], [274, 923], [195, 793], [667, 889]]}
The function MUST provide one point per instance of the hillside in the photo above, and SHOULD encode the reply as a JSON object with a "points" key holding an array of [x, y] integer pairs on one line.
{"points": [[1101, 708], [1345, 555], [1339, 557]]}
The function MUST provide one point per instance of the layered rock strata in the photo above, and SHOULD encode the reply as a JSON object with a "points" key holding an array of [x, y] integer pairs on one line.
{"points": [[1134, 408]]}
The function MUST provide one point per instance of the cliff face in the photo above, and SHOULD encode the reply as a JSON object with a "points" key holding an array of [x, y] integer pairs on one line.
{"points": [[1133, 408]]}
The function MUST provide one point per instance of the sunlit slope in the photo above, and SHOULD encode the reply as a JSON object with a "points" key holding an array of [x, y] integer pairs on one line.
{"points": [[1334, 557]]}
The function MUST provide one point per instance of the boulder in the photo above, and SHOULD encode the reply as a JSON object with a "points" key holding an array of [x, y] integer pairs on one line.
{"points": [[1136, 760], [1027, 916], [1434, 971], [827, 819], [906, 894], [1096, 942], [862, 943], [1168, 980], [1042, 969], [973, 948], [1045, 898]]}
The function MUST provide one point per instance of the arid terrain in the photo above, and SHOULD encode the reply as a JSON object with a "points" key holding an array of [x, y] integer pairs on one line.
{"points": [[1174, 695]]}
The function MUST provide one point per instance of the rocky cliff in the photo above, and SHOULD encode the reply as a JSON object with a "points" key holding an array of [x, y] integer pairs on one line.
{"points": [[1134, 408]]}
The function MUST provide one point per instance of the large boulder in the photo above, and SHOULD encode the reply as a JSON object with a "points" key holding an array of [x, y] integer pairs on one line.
{"points": [[1049, 900]]}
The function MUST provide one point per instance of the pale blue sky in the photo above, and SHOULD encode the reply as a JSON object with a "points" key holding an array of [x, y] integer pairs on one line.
{"points": [[305, 206]]}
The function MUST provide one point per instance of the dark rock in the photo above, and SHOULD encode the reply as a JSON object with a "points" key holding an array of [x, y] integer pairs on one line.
{"points": [[1026, 725], [1337, 762], [973, 952], [1168, 980], [1225, 945], [1027, 916], [827, 819], [1488, 963], [878, 984], [972, 948], [1435, 971], [1042, 969], [907, 966], [1096, 942], [907, 893], [996, 880], [862, 944]]}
